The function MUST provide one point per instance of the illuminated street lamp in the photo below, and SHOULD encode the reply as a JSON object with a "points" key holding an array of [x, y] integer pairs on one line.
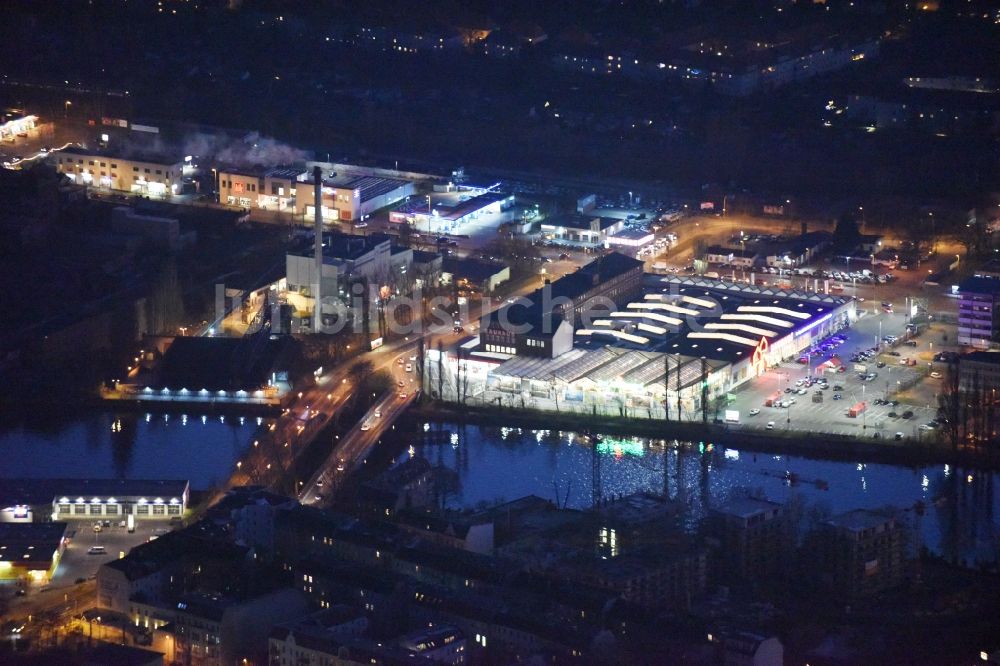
{"points": [[428, 213]]}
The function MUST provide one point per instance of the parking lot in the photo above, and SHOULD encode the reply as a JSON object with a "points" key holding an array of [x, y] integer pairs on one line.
{"points": [[77, 563], [831, 415]]}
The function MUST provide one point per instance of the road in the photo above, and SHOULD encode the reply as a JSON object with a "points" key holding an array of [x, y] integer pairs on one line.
{"points": [[352, 450]]}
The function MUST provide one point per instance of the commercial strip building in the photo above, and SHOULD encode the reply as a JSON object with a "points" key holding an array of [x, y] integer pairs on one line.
{"points": [[448, 212], [349, 197], [40, 500], [147, 174], [265, 188], [792, 252], [13, 124], [585, 229], [350, 193], [30, 550], [679, 342]]}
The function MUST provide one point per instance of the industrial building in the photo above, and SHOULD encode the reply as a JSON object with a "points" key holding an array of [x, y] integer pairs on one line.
{"points": [[473, 275], [541, 323], [39, 500], [345, 256], [194, 370], [346, 260], [729, 256], [163, 232], [147, 174]]}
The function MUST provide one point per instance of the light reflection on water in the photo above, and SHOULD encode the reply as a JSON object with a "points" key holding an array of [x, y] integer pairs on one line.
{"points": [[953, 511], [200, 448]]}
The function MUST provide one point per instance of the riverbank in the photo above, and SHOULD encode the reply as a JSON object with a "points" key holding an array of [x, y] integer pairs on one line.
{"points": [[906, 452]]}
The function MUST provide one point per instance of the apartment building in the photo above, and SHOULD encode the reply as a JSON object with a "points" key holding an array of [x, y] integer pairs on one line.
{"points": [[860, 553], [978, 318], [754, 537]]}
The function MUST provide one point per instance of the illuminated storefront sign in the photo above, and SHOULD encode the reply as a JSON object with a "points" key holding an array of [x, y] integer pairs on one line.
{"points": [[809, 327], [759, 359], [620, 447]]}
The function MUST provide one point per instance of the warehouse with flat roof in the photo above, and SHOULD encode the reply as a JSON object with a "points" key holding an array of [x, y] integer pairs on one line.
{"points": [[40, 500]]}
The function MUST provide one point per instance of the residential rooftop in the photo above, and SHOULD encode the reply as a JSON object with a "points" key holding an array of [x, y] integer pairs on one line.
{"points": [[747, 507], [979, 285], [858, 520], [470, 268]]}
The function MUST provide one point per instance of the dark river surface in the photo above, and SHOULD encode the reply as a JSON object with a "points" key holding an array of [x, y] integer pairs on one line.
{"points": [[953, 511], [202, 449]]}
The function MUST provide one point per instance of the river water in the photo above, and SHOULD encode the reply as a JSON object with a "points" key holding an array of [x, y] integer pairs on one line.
{"points": [[953, 511], [202, 449]]}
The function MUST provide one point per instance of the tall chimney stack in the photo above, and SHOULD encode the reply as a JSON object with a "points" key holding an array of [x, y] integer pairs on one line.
{"points": [[318, 232]]}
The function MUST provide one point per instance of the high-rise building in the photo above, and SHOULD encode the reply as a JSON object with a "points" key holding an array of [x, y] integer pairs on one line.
{"points": [[755, 539], [978, 321], [859, 553]]}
